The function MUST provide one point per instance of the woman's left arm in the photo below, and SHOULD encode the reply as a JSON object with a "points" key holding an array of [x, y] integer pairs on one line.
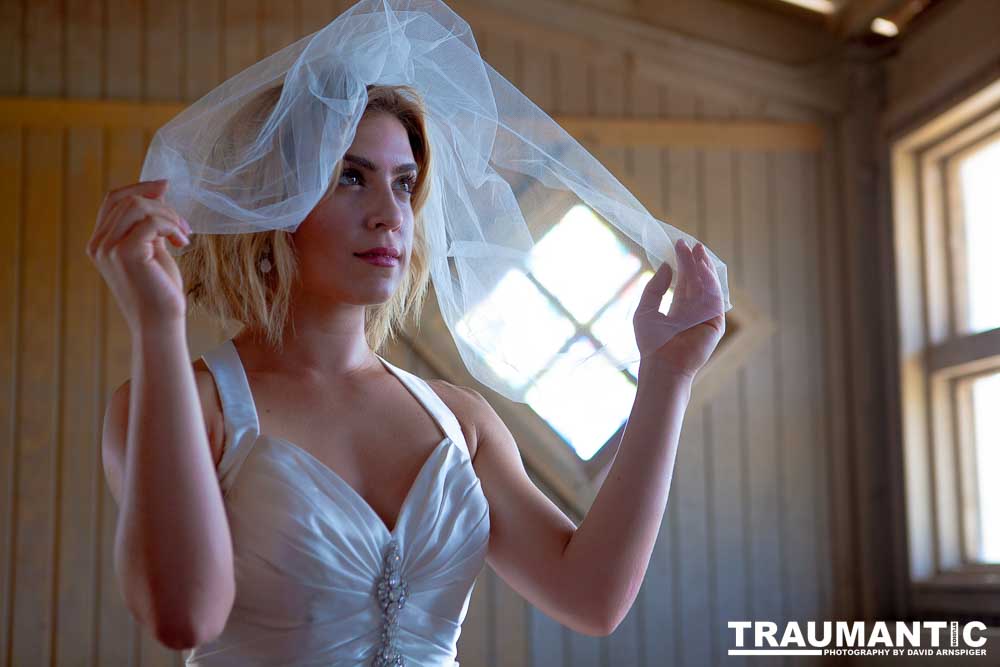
{"points": [[610, 550], [587, 577]]}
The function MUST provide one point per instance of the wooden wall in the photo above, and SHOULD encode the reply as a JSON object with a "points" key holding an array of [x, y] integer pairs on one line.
{"points": [[759, 521]]}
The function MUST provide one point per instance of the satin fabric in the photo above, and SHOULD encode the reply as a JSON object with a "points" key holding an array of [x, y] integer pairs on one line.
{"points": [[309, 549]]}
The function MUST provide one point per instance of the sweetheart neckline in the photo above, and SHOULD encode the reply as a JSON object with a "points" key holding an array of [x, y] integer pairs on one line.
{"points": [[353, 492]]}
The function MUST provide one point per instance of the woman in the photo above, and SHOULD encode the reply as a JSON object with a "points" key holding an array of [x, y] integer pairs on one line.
{"points": [[293, 498]]}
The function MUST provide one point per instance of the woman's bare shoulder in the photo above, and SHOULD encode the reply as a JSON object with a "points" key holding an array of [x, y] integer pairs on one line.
{"points": [[463, 402]]}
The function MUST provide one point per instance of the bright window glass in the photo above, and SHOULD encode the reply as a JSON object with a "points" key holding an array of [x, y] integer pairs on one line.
{"points": [[525, 325], [587, 408], [582, 262], [985, 400], [980, 186]]}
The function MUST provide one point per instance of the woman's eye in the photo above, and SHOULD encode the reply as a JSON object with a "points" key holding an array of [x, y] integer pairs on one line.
{"points": [[350, 174], [410, 183]]}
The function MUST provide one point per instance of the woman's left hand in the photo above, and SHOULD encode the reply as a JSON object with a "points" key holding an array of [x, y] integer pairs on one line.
{"points": [[697, 295]]}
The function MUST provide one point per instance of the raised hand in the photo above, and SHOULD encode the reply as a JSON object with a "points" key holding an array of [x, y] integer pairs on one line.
{"points": [[128, 247], [670, 341]]}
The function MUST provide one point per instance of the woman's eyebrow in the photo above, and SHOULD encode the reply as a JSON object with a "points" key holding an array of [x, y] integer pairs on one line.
{"points": [[370, 166]]}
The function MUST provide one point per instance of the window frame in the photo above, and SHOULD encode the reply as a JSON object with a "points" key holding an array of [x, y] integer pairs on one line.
{"points": [[936, 357], [573, 482]]}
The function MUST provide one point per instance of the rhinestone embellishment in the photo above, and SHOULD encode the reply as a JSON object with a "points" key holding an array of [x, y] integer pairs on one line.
{"points": [[391, 594]]}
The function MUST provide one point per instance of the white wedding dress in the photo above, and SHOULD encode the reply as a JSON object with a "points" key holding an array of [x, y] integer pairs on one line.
{"points": [[312, 556]]}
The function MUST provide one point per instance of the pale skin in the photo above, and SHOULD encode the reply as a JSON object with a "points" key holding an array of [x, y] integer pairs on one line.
{"points": [[329, 394]]}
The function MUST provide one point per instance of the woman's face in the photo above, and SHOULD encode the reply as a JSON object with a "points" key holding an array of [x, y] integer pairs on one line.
{"points": [[368, 207]]}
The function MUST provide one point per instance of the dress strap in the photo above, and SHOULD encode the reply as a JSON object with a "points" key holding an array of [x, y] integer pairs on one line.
{"points": [[239, 412], [441, 413]]}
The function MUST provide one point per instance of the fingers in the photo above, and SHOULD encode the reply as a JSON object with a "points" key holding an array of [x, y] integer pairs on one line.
{"points": [[149, 218], [150, 189], [133, 244], [698, 272], [656, 287], [711, 280], [689, 281]]}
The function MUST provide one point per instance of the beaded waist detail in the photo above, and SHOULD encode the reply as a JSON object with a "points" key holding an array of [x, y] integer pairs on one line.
{"points": [[391, 593]]}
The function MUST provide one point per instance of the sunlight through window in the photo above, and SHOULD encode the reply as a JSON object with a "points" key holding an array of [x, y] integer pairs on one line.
{"points": [[981, 204], [985, 399], [589, 408], [522, 322], [582, 262]]}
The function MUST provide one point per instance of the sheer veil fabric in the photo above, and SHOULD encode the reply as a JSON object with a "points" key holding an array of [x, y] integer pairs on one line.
{"points": [[503, 173]]}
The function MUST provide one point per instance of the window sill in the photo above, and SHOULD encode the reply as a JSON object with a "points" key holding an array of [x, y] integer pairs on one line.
{"points": [[973, 590]]}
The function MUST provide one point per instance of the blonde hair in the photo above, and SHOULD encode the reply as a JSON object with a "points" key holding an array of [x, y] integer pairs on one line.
{"points": [[222, 271]]}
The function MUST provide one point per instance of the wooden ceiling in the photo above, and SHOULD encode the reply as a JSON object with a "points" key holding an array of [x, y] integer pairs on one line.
{"points": [[847, 18], [776, 29]]}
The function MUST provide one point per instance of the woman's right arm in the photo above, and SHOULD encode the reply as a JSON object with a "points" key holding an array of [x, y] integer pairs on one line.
{"points": [[173, 552]]}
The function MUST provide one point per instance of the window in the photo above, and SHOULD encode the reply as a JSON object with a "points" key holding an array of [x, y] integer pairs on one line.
{"points": [[983, 398], [947, 232], [976, 203], [558, 309], [562, 307]]}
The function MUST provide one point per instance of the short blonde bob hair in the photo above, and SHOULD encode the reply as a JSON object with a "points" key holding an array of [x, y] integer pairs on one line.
{"points": [[223, 272]]}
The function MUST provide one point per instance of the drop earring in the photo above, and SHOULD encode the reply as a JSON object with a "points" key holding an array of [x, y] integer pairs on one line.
{"points": [[265, 263]]}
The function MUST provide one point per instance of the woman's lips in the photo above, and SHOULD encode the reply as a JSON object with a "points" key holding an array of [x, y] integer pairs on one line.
{"points": [[379, 260]]}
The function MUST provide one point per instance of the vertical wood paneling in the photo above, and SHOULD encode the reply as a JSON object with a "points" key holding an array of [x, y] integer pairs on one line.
{"points": [[80, 465], [163, 61], [202, 47], [841, 500], [691, 480], [12, 18], [747, 530], [725, 437], [43, 48], [124, 48], [34, 510], [314, 15], [798, 419], [240, 37], [277, 25], [76, 461], [37, 406], [84, 44], [756, 182], [502, 53], [11, 229], [819, 342]]}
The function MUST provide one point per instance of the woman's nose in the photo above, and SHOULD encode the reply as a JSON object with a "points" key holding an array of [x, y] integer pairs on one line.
{"points": [[385, 209]]}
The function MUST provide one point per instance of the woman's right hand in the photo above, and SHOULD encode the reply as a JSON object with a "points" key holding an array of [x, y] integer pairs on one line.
{"points": [[127, 245]]}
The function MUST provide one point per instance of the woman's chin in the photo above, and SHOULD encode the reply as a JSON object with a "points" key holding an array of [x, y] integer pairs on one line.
{"points": [[371, 297]]}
